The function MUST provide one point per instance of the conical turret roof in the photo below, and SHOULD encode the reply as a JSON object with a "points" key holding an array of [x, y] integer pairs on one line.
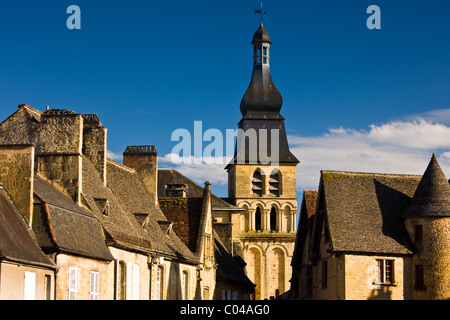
{"points": [[432, 197], [261, 35]]}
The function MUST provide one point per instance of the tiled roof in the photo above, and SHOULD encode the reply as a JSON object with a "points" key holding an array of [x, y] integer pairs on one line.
{"points": [[17, 241], [73, 229], [364, 210]]}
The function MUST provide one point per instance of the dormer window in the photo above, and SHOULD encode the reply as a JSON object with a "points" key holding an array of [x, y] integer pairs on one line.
{"points": [[102, 205]]}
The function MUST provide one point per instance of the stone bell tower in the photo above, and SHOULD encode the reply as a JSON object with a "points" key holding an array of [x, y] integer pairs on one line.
{"points": [[262, 180]]}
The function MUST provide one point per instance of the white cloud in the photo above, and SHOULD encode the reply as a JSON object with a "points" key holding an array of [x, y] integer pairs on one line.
{"points": [[394, 147], [437, 115], [114, 156]]}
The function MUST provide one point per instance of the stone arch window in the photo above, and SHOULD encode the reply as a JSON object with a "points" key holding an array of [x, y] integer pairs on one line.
{"points": [[257, 183], [273, 219], [258, 219], [274, 183]]}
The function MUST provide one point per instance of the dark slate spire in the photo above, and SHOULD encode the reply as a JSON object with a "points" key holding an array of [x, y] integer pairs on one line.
{"points": [[262, 99], [260, 108], [432, 197]]}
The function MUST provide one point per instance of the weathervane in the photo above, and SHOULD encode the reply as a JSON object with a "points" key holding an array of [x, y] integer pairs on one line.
{"points": [[260, 12]]}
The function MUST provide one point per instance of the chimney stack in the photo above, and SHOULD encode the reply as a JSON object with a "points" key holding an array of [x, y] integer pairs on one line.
{"points": [[144, 159]]}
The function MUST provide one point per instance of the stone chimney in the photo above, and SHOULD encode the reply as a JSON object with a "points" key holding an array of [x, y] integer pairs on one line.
{"points": [[59, 150], [17, 176], [94, 143], [176, 190], [144, 159]]}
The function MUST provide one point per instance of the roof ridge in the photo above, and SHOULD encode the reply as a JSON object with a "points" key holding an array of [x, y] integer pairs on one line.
{"points": [[360, 173], [120, 165]]}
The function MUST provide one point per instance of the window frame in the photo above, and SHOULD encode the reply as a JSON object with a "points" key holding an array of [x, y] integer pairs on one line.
{"points": [[74, 277], [94, 285], [385, 272]]}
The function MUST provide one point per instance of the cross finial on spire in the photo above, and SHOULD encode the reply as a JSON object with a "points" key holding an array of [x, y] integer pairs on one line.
{"points": [[260, 12]]}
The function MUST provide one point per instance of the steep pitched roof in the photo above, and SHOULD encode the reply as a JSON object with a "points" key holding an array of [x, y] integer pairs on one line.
{"points": [[73, 229], [139, 206], [227, 267], [364, 211], [307, 212], [17, 241], [432, 197], [172, 176]]}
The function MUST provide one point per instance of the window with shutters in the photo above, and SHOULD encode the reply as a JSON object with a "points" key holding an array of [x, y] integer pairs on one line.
{"points": [[73, 282], [94, 285], [30, 286]]}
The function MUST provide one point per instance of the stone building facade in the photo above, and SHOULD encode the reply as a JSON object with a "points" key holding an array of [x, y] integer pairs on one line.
{"points": [[374, 236], [94, 220]]}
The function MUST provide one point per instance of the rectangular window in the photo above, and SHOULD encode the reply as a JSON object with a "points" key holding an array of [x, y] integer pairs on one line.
{"points": [[159, 283], [30, 286], [389, 271], [48, 286], [418, 232], [135, 282], [94, 285], [73, 283], [324, 274], [120, 280], [385, 271], [185, 285], [419, 283]]}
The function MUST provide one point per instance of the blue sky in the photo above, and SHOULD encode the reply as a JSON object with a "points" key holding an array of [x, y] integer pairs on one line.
{"points": [[354, 99]]}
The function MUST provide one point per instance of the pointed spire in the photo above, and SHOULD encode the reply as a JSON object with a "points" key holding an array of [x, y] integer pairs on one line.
{"points": [[262, 99], [432, 197]]}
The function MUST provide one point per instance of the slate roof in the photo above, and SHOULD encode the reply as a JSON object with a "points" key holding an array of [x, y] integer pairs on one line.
{"points": [[65, 226], [172, 176], [227, 267], [133, 217], [432, 197], [305, 224], [17, 241], [364, 211]]}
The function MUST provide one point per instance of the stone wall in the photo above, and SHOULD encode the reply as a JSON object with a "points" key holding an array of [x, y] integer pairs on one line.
{"points": [[17, 174], [433, 253]]}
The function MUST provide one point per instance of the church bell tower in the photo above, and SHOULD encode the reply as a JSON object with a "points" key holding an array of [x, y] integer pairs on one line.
{"points": [[262, 180]]}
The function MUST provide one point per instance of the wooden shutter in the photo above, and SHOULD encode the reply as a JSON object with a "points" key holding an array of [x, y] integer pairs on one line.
{"points": [[73, 283], [94, 286]]}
